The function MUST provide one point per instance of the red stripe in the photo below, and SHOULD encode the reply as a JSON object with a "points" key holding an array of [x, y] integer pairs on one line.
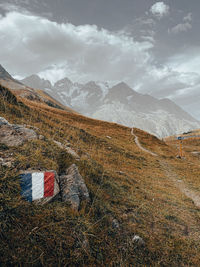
{"points": [[49, 184]]}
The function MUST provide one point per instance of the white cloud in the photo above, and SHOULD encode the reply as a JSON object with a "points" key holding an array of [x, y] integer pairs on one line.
{"points": [[160, 9], [31, 44], [181, 27]]}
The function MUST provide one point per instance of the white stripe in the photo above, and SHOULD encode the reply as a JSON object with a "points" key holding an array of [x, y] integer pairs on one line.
{"points": [[37, 185]]}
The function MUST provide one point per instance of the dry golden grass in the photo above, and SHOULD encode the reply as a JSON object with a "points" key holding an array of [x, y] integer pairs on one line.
{"points": [[124, 183]]}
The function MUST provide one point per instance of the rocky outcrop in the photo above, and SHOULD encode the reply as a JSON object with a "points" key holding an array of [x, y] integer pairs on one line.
{"points": [[15, 135], [73, 188], [68, 149], [71, 184]]}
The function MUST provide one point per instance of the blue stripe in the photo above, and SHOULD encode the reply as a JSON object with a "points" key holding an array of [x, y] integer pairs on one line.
{"points": [[26, 186]]}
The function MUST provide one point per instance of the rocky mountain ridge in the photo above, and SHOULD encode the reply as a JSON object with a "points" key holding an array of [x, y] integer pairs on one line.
{"points": [[120, 104]]}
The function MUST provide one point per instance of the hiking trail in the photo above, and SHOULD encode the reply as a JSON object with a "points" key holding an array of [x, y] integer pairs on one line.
{"points": [[140, 146], [170, 173]]}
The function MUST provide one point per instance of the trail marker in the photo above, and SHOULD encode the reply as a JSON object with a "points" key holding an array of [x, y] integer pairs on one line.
{"points": [[37, 185], [180, 138]]}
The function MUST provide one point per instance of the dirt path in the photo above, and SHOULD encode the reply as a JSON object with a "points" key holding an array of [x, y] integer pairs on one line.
{"points": [[170, 173], [194, 196], [140, 146]]}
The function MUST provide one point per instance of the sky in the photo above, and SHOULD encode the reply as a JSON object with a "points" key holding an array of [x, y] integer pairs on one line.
{"points": [[154, 46]]}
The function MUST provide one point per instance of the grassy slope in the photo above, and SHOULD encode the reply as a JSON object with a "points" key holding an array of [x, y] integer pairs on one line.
{"points": [[141, 197]]}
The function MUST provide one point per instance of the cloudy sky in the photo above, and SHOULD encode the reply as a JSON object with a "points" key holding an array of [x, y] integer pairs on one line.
{"points": [[152, 45]]}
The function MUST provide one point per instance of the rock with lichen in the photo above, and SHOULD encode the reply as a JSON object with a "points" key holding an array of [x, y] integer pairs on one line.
{"points": [[73, 187]]}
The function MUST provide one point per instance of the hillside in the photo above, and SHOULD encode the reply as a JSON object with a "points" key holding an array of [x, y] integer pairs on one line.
{"points": [[27, 92], [120, 104], [137, 215]]}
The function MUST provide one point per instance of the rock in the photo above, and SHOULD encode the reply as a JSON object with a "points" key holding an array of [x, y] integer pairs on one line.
{"points": [[32, 127], [138, 241], [6, 162], [73, 188], [68, 149], [40, 188], [41, 137], [3, 121], [109, 137], [72, 152], [121, 173], [14, 135], [115, 224], [59, 144]]}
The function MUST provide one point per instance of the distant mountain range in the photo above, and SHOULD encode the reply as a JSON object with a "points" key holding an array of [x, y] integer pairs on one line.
{"points": [[120, 104]]}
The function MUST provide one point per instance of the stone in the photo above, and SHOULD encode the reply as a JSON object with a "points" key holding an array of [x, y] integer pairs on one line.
{"points": [[56, 190], [14, 135], [3, 121], [69, 150], [6, 162], [72, 153], [73, 187], [41, 137], [121, 173], [115, 224], [138, 241], [59, 144]]}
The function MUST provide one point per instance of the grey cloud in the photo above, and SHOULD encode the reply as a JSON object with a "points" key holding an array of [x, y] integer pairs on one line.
{"points": [[138, 53], [188, 17], [182, 27]]}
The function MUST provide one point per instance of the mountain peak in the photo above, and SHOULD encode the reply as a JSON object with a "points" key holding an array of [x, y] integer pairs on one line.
{"points": [[35, 81], [122, 84], [63, 82], [120, 91]]}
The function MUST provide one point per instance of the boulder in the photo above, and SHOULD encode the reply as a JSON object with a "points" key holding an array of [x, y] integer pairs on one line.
{"points": [[13, 134], [39, 187], [73, 188]]}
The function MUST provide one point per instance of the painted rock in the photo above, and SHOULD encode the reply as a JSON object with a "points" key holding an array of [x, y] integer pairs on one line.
{"points": [[39, 186]]}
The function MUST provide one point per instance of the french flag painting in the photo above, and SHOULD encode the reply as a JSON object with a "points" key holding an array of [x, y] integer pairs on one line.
{"points": [[37, 185]]}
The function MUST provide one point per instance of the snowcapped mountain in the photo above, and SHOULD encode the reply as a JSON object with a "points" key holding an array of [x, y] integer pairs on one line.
{"points": [[120, 104]]}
